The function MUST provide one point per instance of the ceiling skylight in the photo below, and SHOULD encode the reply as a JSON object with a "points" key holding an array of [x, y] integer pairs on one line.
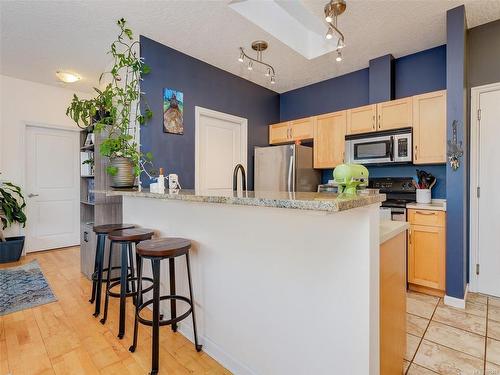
{"points": [[290, 22]]}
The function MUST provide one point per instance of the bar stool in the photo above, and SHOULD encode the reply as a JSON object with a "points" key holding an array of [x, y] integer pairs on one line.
{"points": [[156, 250], [124, 237], [102, 232]]}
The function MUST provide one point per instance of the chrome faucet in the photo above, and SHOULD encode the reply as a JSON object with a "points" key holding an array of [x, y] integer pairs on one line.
{"points": [[243, 177]]}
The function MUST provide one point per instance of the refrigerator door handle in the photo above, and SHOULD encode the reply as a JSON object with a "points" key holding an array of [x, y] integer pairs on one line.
{"points": [[290, 172]]}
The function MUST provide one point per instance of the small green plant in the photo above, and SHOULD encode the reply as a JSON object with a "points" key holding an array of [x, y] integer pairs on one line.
{"points": [[12, 206], [115, 110]]}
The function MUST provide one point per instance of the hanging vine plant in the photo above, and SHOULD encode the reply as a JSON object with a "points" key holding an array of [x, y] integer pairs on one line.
{"points": [[115, 110]]}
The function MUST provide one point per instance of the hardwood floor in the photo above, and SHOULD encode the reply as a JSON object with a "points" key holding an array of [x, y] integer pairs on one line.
{"points": [[64, 338]]}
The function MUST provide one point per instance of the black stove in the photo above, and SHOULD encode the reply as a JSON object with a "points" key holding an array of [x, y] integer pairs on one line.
{"points": [[399, 190]]}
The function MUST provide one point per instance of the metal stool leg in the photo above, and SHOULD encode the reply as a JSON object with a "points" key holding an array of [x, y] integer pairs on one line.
{"points": [[156, 317], [138, 261], [132, 271], [108, 281], [100, 265], [96, 266], [196, 345], [123, 289], [173, 304]]}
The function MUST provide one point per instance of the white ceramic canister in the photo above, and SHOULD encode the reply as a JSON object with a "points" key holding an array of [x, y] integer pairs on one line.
{"points": [[423, 195]]}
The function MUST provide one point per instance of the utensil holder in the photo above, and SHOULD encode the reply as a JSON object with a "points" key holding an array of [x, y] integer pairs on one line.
{"points": [[423, 195]]}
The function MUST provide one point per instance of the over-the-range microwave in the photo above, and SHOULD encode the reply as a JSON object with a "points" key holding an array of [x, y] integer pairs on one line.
{"points": [[384, 147]]}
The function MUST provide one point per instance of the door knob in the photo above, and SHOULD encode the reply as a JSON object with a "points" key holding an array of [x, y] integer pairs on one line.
{"points": [[31, 195]]}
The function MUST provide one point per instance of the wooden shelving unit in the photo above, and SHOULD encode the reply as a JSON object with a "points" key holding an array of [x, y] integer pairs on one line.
{"points": [[95, 207]]}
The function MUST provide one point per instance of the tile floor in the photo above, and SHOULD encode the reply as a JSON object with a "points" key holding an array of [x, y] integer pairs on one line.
{"points": [[450, 341]]}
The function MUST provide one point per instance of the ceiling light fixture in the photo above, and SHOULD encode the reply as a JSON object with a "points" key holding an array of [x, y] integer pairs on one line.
{"points": [[339, 56], [333, 9], [259, 46], [68, 77]]}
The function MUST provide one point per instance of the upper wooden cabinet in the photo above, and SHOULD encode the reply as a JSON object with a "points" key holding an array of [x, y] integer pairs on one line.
{"points": [[395, 114], [302, 129], [279, 133], [429, 128], [329, 139], [362, 119], [291, 131]]}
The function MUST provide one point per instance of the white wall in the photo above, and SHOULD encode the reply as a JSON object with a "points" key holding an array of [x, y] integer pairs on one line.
{"points": [[29, 102]]}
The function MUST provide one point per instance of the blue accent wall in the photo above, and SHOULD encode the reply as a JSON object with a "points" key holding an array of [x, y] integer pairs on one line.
{"points": [[381, 79], [414, 74], [336, 94], [421, 72], [206, 86], [457, 189]]}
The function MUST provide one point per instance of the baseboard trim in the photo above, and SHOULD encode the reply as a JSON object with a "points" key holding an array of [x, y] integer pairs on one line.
{"points": [[216, 352], [457, 302]]}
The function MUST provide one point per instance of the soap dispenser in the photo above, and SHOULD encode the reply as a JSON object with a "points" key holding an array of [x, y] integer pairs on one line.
{"points": [[161, 182]]}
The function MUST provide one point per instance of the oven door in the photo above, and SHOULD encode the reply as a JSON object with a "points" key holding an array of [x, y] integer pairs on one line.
{"points": [[371, 150]]}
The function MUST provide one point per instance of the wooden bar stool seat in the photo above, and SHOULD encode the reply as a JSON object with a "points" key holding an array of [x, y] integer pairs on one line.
{"points": [[131, 235], [126, 238], [164, 247], [156, 250], [97, 276]]}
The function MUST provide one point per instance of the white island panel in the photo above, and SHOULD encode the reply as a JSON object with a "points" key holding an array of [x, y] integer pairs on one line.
{"points": [[278, 291]]}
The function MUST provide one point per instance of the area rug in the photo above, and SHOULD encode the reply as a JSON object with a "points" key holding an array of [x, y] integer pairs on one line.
{"points": [[23, 287]]}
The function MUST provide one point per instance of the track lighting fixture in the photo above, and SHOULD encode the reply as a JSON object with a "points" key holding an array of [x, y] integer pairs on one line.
{"points": [[333, 9], [259, 46]]}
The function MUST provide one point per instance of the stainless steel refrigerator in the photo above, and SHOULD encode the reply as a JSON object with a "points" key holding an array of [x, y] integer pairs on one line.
{"points": [[285, 168]]}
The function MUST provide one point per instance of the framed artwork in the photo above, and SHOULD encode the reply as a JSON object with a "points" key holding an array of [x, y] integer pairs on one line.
{"points": [[173, 109]]}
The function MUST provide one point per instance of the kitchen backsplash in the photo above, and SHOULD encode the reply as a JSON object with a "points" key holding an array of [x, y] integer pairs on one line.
{"points": [[439, 171]]}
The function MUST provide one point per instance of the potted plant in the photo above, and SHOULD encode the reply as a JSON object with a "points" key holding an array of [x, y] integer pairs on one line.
{"points": [[12, 205], [115, 110]]}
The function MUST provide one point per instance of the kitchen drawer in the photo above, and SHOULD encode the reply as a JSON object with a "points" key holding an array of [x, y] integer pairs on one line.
{"points": [[427, 217]]}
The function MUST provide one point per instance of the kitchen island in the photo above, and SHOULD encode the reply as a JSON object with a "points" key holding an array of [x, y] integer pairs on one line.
{"points": [[284, 283]]}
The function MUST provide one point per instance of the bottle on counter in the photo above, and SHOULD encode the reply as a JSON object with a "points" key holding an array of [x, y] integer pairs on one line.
{"points": [[161, 182]]}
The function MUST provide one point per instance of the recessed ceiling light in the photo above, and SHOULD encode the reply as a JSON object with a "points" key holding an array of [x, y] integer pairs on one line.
{"points": [[68, 77]]}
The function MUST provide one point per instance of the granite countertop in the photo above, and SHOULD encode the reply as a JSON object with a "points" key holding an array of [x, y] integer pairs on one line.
{"points": [[390, 229], [326, 202], [436, 205]]}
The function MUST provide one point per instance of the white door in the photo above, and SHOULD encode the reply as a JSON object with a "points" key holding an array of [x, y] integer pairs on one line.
{"points": [[221, 144], [489, 200], [52, 188]]}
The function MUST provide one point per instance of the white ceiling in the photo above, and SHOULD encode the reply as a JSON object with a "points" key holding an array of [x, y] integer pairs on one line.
{"points": [[40, 37]]}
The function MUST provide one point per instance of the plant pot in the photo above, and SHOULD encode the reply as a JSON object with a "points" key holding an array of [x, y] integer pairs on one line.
{"points": [[124, 176], [11, 250]]}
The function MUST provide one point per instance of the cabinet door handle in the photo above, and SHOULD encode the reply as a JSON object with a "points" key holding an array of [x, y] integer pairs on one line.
{"points": [[379, 122], [409, 236], [373, 122], [428, 213], [416, 152], [86, 236]]}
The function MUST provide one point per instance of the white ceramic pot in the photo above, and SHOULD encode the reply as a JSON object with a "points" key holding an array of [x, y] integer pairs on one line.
{"points": [[423, 195]]}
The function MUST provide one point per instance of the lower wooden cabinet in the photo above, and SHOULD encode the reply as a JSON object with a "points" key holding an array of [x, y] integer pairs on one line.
{"points": [[427, 251], [393, 305], [329, 139]]}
